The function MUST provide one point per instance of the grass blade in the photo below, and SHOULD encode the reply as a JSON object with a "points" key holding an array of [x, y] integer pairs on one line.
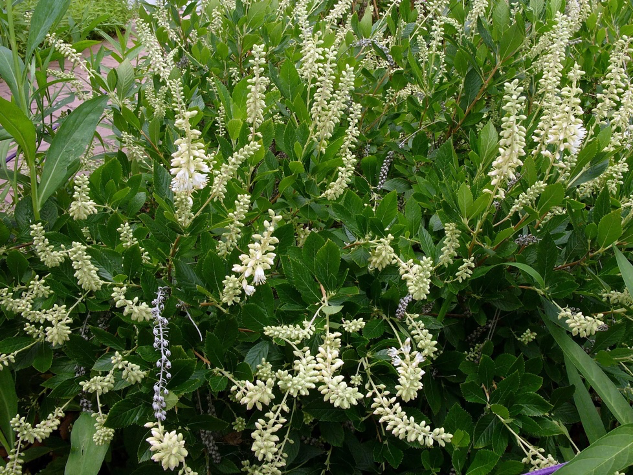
{"points": [[590, 419]]}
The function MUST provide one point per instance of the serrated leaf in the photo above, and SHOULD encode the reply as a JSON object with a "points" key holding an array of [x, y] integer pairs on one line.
{"points": [[256, 353], [483, 462], [327, 262], [129, 411], [609, 229], [472, 392], [86, 457], [374, 328]]}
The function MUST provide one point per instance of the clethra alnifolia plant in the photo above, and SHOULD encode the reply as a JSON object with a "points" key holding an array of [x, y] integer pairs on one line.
{"points": [[325, 236]]}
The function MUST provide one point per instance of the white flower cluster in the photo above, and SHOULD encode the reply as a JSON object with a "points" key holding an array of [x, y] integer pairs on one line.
{"points": [[137, 312], [27, 432], [478, 9], [103, 434], [417, 276], [537, 460], [338, 11], [227, 171], [527, 337], [567, 131], [291, 332], [402, 426], [329, 118], [59, 331], [265, 441], [131, 372], [556, 41], [158, 61], [68, 52], [335, 189], [168, 448], [250, 394], [424, 339], [306, 374], [529, 197], [334, 388], [612, 177], [451, 244], [579, 324], [465, 270], [622, 127], [409, 374], [621, 298], [183, 204], [234, 232], [43, 249], [382, 254], [128, 240], [355, 325], [615, 81], [513, 134], [259, 259], [85, 271], [74, 83], [257, 89], [189, 162], [98, 384]]}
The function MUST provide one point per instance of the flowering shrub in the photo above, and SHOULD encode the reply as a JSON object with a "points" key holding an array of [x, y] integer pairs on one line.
{"points": [[327, 237]]}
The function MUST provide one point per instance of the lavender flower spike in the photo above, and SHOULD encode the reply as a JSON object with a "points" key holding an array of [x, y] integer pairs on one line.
{"points": [[549, 470], [163, 364]]}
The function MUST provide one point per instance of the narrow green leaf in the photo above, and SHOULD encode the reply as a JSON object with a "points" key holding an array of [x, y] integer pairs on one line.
{"points": [[86, 457], [70, 142], [608, 455], [626, 269], [590, 418], [533, 274], [465, 199], [7, 72], [47, 13], [19, 126], [590, 370], [8, 406]]}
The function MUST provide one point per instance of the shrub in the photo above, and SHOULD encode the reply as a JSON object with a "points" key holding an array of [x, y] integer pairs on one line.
{"points": [[394, 239]]}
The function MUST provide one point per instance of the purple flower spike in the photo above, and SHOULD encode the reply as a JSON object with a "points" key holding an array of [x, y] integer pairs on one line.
{"points": [[549, 470]]}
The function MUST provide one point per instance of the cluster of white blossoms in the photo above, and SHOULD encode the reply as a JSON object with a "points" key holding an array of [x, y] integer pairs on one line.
{"points": [[257, 89], [527, 337], [402, 426], [128, 240], [158, 60], [537, 460], [85, 271], [234, 232], [331, 116], [306, 374], [139, 312], [450, 245], [59, 331], [259, 259], [265, 441], [513, 134], [406, 361], [567, 131], [621, 298], [382, 254], [334, 388], [228, 170], [466, 269], [579, 324], [43, 249], [417, 276], [131, 372], [615, 81], [478, 9], [611, 178], [68, 52], [74, 83], [254, 394], [528, 197], [183, 204], [424, 339], [335, 189], [103, 434], [556, 41], [291, 332], [354, 325], [189, 162], [99, 384], [27, 433], [167, 447]]}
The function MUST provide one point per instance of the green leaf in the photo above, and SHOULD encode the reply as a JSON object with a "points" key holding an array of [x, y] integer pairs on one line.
{"points": [[43, 357], [388, 208], [332, 432], [86, 457], [500, 410], [486, 370], [256, 353], [254, 318], [70, 142], [589, 369], [8, 407], [234, 126], [10, 76], [472, 392], [327, 264], [17, 264], [608, 455], [488, 141], [625, 267], [590, 418], [532, 273], [392, 454], [465, 199], [181, 370], [20, 127], [532, 404], [227, 330], [483, 462], [552, 196], [609, 229], [374, 328], [47, 13], [128, 411]]}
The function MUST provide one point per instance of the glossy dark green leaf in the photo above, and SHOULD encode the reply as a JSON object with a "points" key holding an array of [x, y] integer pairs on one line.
{"points": [[86, 457]]}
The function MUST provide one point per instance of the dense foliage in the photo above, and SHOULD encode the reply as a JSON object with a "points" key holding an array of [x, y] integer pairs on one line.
{"points": [[390, 237]]}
